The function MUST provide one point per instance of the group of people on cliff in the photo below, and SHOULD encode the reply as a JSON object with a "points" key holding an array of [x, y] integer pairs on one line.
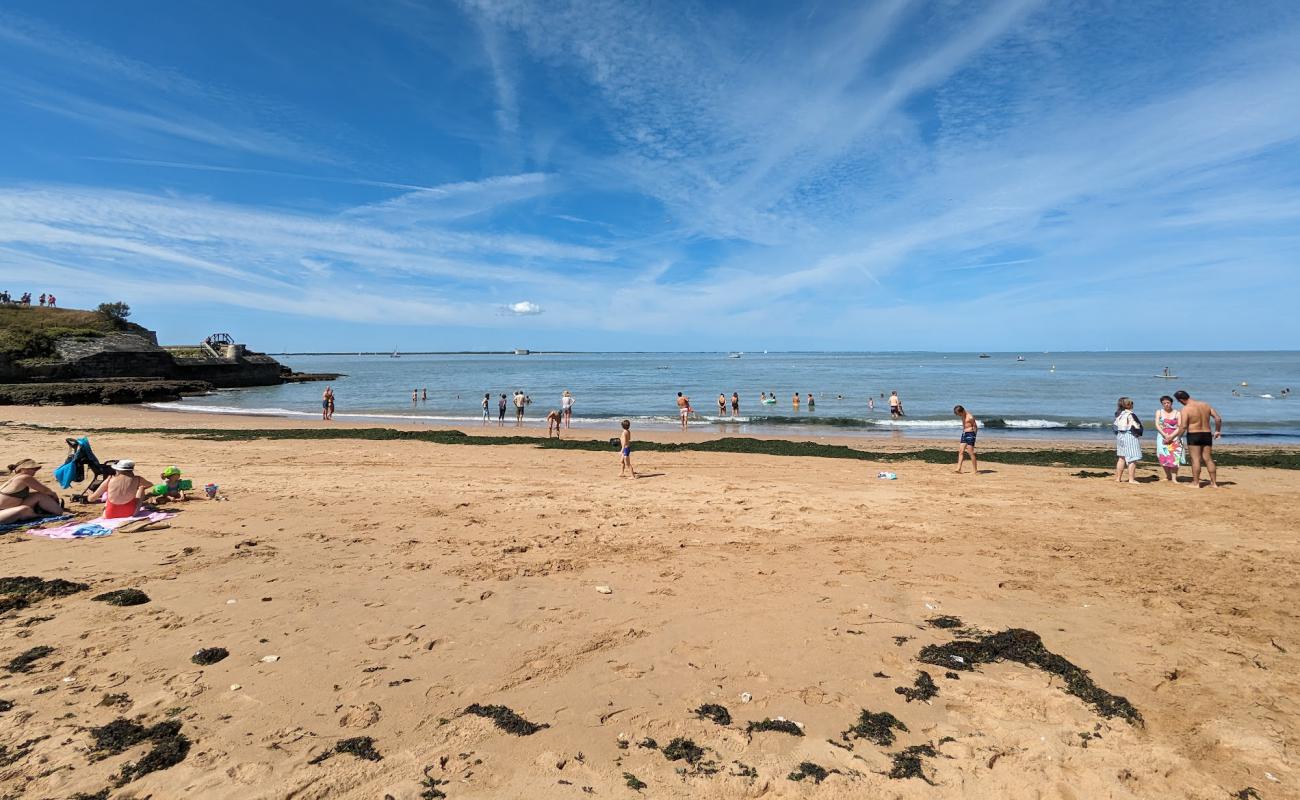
{"points": [[25, 299]]}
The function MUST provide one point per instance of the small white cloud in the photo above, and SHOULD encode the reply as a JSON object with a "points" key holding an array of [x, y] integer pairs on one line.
{"points": [[523, 308]]}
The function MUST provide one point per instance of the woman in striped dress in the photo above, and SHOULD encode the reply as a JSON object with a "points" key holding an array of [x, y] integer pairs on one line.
{"points": [[1128, 448]]}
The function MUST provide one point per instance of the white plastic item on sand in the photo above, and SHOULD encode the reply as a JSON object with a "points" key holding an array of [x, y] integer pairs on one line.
{"points": [[270, 659], [745, 697], [234, 687], [604, 590], [887, 476]]}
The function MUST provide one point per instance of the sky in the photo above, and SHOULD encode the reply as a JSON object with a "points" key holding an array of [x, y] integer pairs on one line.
{"points": [[1006, 175]]}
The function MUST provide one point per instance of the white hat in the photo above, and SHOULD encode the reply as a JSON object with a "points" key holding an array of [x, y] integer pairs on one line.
{"points": [[125, 465]]}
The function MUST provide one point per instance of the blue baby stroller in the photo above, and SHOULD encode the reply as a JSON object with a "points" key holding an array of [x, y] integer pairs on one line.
{"points": [[81, 458]]}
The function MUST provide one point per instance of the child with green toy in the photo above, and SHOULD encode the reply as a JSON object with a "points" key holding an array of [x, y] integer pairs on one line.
{"points": [[172, 487]]}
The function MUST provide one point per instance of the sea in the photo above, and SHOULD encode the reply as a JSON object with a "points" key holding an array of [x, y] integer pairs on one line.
{"points": [[1028, 395]]}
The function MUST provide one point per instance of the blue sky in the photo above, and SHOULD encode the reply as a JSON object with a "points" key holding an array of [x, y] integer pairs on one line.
{"points": [[1008, 175]]}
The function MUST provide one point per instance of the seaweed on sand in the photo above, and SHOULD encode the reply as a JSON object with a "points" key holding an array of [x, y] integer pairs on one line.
{"points": [[170, 746], [922, 689], [23, 661], [506, 719], [944, 621], [1099, 458], [20, 591], [633, 782], [363, 747], [6, 705], [209, 655], [682, 749], [102, 794], [648, 743], [808, 769], [908, 764], [776, 725], [1026, 647], [714, 712], [8, 757], [123, 597], [878, 728]]}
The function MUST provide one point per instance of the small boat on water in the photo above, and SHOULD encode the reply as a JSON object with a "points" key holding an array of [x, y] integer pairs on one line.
{"points": [[395, 355], [734, 355], [985, 355], [1020, 358]]}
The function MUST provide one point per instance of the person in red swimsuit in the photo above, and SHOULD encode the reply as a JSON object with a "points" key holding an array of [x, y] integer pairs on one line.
{"points": [[122, 492]]}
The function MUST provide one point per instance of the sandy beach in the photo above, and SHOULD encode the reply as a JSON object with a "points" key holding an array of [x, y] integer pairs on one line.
{"points": [[398, 584]]}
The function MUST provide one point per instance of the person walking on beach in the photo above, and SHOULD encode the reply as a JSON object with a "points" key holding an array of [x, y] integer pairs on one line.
{"points": [[625, 450], [553, 418], [520, 402], [1128, 445], [1170, 454], [683, 408], [501, 411], [735, 404], [969, 430], [327, 403], [1195, 422], [566, 407], [895, 405], [487, 407]]}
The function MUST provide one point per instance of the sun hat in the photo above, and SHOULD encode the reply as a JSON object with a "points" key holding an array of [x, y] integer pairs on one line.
{"points": [[26, 463], [171, 471], [125, 465]]}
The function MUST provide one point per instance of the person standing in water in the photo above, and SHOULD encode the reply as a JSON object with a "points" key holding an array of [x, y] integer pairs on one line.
{"points": [[415, 397], [812, 403], [501, 411], [895, 405], [794, 401], [969, 430], [487, 407], [1195, 422], [520, 402], [735, 404], [722, 404], [871, 404], [683, 408], [424, 394]]}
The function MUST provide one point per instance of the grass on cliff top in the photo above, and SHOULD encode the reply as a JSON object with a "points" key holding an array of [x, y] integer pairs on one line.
{"points": [[31, 331], [1103, 456]]}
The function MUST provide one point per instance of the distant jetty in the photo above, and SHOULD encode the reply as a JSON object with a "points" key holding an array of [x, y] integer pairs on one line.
{"points": [[65, 356]]}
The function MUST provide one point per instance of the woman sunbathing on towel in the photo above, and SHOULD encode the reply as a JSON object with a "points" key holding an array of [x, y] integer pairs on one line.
{"points": [[122, 492], [23, 497]]}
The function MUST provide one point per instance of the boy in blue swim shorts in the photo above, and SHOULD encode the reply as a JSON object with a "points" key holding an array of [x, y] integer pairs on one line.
{"points": [[625, 447], [969, 429]]}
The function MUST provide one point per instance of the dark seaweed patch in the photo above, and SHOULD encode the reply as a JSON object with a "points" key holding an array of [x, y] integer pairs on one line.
{"points": [[648, 743], [878, 728], [1026, 647], [506, 720], [20, 591], [923, 688], [902, 640], [775, 725], [944, 621], [952, 676], [102, 794], [209, 655], [23, 661], [713, 711], [121, 699], [682, 749], [1083, 473], [170, 746], [1249, 793], [363, 747], [908, 763], [20, 750], [809, 770], [6, 705], [744, 770], [633, 782], [430, 784], [123, 597]]}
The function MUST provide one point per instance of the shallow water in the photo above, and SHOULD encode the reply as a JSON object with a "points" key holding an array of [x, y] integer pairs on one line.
{"points": [[1047, 394]]}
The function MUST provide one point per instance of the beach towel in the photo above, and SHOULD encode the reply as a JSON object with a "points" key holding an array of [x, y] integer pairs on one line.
{"points": [[100, 527], [32, 523]]}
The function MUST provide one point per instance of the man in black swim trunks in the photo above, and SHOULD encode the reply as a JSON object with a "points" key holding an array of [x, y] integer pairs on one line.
{"points": [[1195, 422], [969, 429]]}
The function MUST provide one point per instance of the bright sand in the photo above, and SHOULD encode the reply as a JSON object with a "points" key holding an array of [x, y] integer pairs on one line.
{"points": [[468, 575]]}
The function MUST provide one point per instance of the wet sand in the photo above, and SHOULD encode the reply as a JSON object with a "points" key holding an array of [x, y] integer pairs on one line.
{"points": [[469, 575]]}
